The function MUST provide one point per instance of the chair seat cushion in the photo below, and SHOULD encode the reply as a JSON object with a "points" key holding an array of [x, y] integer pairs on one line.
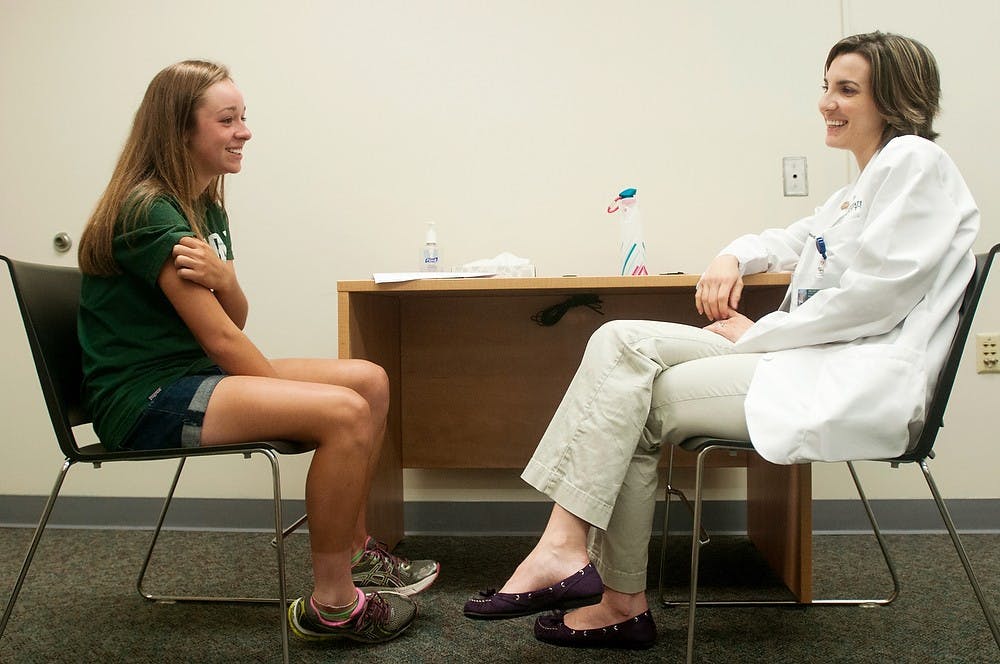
{"points": [[98, 453], [701, 442]]}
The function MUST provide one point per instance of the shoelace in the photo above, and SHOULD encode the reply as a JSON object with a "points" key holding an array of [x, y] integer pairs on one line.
{"points": [[376, 611], [382, 553]]}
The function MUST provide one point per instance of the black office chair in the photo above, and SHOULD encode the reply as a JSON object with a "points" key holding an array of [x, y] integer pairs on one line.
{"points": [[49, 298], [921, 452]]}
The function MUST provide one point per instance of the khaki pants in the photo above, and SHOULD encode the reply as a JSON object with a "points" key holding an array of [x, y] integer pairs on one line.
{"points": [[640, 383]]}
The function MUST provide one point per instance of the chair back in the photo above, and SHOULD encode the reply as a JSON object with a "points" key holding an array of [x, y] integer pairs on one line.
{"points": [[49, 299], [946, 380]]}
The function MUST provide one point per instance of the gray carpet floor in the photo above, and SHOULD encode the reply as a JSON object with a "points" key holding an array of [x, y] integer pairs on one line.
{"points": [[79, 603]]}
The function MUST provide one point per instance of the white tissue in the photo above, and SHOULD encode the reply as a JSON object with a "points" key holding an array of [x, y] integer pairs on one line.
{"points": [[505, 264]]}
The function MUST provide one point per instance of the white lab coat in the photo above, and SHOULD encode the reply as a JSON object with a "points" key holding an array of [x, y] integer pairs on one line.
{"points": [[846, 373]]}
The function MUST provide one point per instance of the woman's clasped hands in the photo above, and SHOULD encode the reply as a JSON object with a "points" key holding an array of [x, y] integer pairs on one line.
{"points": [[717, 296]]}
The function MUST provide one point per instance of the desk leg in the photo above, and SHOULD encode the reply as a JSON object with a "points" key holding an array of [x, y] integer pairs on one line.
{"points": [[368, 328], [385, 502], [779, 520]]}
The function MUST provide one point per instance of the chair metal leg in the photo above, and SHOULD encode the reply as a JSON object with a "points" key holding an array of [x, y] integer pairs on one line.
{"points": [[189, 598], [703, 534], [950, 525], [883, 547], [666, 522], [46, 512], [291, 529], [281, 600], [699, 538], [282, 586], [156, 535], [696, 544]]}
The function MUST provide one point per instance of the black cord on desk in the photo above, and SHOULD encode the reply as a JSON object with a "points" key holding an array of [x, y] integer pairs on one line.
{"points": [[553, 314]]}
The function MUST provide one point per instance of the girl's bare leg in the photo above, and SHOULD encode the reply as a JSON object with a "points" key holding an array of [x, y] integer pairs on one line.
{"points": [[367, 379], [340, 422]]}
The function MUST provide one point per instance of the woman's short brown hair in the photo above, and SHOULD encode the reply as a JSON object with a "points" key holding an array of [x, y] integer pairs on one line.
{"points": [[905, 81]]}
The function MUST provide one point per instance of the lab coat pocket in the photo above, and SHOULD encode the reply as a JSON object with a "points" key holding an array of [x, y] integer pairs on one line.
{"points": [[867, 401], [857, 401]]}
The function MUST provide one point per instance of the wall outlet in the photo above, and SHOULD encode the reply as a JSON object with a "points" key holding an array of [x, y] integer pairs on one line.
{"points": [[794, 176], [988, 352]]}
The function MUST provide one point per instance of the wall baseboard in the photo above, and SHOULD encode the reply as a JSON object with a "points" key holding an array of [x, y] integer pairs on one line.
{"points": [[479, 518]]}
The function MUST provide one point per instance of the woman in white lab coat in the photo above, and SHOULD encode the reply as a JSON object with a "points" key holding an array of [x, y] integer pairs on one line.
{"points": [[841, 371]]}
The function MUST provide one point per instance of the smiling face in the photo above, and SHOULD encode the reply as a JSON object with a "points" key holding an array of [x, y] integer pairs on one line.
{"points": [[220, 131], [853, 121]]}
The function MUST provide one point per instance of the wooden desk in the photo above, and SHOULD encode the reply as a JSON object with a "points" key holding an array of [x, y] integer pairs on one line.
{"points": [[474, 382]]}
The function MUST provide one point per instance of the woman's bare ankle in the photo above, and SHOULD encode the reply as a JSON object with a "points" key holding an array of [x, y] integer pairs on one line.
{"points": [[615, 607], [545, 566]]}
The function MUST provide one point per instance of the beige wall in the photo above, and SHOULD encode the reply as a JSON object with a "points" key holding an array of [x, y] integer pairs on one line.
{"points": [[508, 123]]}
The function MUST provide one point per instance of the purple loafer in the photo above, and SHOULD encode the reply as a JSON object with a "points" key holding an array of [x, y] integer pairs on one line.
{"points": [[581, 589], [635, 633]]}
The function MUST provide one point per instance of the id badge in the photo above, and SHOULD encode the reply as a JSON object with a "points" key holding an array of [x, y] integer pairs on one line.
{"points": [[806, 293]]}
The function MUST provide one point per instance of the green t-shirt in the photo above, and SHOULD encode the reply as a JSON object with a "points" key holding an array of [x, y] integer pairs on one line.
{"points": [[133, 340]]}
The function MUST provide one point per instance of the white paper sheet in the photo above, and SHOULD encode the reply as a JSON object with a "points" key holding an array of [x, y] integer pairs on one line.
{"points": [[396, 277]]}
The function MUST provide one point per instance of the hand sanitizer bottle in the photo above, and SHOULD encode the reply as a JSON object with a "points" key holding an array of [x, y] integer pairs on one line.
{"points": [[633, 249], [430, 252]]}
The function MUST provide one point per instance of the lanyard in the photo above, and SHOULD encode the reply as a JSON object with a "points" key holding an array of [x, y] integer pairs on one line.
{"points": [[821, 249], [821, 246]]}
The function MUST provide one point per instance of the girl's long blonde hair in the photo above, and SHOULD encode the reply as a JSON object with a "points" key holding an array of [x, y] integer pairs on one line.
{"points": [[155, 162]]}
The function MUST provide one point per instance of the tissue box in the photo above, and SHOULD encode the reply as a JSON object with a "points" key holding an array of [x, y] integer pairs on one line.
{"points": [[516, 270], [498, 270], [504, 265]]}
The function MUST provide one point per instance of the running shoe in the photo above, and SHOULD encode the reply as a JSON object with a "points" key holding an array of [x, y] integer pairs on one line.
{"points": [[379, 569], [384, 616]]}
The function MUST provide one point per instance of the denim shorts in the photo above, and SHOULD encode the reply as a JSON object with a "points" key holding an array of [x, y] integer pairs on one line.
{"points": [[174, 415]]}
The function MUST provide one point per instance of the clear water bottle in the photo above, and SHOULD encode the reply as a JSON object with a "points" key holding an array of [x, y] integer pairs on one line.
{"points": [[632, 247]]}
